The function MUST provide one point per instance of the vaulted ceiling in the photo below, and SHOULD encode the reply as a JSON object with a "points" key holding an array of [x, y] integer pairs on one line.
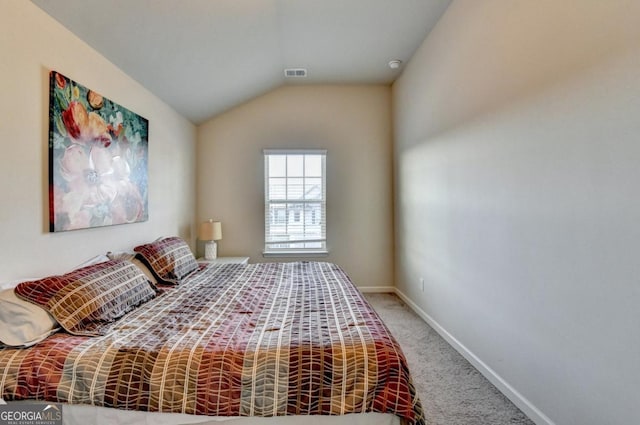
{"points": [[203, 57]]}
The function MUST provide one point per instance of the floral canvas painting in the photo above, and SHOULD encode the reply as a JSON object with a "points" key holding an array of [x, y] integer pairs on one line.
{"points": [[98, 153]]}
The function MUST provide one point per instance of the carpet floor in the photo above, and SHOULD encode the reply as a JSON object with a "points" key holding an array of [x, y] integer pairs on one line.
{"points": [[452, 391]]}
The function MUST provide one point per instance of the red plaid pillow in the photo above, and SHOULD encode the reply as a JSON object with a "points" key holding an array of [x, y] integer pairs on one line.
{"points": [[85, 299], [170, 259]]}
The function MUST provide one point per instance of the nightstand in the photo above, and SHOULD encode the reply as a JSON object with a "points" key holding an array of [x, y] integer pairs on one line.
{"points": [[226, 260]]}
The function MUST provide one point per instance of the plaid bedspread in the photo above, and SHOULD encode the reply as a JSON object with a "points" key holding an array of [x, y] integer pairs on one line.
{"points": [[234, 340]]}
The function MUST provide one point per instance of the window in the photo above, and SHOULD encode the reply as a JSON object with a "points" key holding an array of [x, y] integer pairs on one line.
{"points": [[295, 201]]}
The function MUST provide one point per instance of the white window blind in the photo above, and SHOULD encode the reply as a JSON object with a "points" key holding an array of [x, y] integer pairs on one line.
{"points": [[295, 201]]}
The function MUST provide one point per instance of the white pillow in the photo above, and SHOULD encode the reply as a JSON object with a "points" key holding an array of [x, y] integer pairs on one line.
{"points": [[93, 260], [22, 323]]}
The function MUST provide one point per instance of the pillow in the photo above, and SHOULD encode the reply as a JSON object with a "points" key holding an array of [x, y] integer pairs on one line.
{"points": [[170, 259], [22, 323], [85, 299], [93, 260], [10, 284], [131, 256]]}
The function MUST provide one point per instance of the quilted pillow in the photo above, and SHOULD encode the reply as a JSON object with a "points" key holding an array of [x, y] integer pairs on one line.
{"points": [[131, 256], [170, 259], [84, 300]]}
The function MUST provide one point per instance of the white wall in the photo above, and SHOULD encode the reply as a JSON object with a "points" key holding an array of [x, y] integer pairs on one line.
{"points": [[517, 155], [354, 124], [32, 44]]}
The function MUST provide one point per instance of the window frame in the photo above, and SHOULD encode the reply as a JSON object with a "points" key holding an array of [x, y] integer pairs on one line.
{"points": [[270, 251]]}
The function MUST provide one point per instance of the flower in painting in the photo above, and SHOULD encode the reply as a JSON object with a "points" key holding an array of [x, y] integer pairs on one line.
{"points": [[116, 120], [89, 176], [98, 189], [127, 207], [115, 123], [95, 100], [61, 81], [85, 128]]}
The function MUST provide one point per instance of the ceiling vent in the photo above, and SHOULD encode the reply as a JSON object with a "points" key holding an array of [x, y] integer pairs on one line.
{"points": [[295, 72]]}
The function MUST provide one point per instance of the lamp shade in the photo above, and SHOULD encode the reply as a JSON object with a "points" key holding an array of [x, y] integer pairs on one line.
{"points": [[210, 231]]}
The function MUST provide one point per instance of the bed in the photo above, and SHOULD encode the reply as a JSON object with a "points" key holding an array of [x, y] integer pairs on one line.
{"points": [[219, 342]]}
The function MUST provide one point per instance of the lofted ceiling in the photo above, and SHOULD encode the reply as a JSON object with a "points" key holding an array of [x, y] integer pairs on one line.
{"points": [[203, 57]]}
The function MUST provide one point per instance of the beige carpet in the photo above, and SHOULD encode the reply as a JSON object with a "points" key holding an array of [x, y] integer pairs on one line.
{"points": [[452, 391]]}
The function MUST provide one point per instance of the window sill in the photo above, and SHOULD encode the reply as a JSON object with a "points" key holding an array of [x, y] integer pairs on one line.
{"points": [[295, 253]]}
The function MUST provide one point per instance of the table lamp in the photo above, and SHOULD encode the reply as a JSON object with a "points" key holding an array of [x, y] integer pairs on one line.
{"points": [[210, 232]]}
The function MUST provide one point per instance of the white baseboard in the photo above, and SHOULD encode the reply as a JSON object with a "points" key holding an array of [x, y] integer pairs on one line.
{"points": [[377, 289], [511, 393]]}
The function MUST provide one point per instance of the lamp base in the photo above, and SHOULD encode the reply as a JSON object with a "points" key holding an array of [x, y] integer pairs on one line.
{"points": [[210, 250]]}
